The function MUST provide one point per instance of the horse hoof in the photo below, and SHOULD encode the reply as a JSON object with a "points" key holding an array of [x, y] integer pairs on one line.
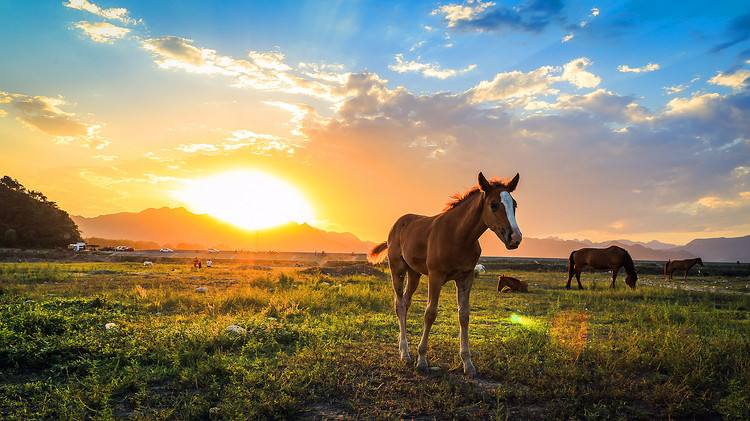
{"points": [[470, 372], [423, 367], [407, 359], [567, 287]]}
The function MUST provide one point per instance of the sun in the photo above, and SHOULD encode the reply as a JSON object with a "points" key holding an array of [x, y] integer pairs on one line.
{"points": [[252, 200]]}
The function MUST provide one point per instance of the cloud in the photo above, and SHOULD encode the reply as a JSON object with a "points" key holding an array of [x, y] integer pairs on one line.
{"points": [[432, 70], [260, 70], [242, 139], [674, 89], [515, 84], [736, 80], [457, 13], [695, 105], [102, 32], [522, 87], [575, 72], [529, 16], [45, 114], [736, 32], [681, 153], [115, 13], [650, 67], [595, 12], [567, 38]]}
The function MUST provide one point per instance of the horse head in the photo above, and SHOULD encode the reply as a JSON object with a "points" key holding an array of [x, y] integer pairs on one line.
{"points": [[499, 210]]}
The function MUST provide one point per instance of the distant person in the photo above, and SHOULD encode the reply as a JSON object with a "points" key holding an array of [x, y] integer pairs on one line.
{"points": [[196, 263], [209, 263]]}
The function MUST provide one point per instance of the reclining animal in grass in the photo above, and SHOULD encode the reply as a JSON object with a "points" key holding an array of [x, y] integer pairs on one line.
{"points": [[508, 284]]}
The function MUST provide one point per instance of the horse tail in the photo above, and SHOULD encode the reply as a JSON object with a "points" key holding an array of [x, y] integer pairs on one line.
{"points": [[377, 254], [571, 263]]}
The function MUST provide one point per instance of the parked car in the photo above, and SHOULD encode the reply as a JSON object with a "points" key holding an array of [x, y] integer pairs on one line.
{"points": [[124, 248], [166, 250], [213, 251], [77, 246]]}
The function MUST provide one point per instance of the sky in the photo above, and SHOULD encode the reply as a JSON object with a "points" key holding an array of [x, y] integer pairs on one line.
{"points": [[625, 119]]}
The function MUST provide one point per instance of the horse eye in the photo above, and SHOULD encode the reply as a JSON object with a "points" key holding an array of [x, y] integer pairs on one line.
{"points": [[494, 206]]}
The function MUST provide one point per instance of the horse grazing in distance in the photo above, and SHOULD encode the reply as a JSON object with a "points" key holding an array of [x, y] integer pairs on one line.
{"points": [[672, 265], [446, 247], [611, 258]]}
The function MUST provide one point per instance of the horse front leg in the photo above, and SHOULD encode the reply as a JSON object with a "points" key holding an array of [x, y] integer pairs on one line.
{"points": [[614, 276], [463, 289], [434, 285]]}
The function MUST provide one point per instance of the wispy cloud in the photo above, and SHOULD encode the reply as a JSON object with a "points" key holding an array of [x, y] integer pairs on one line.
{"points": [[524, 86], [735, 80], [650, 67], [102, 32], [476, 15], [46, 115], [114, 13], [432, 70], [567, 38], [259, 144], [260, 70]]}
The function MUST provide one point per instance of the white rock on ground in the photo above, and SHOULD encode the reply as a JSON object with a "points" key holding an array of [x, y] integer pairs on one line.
{"points": [[110, 326], [236, 329], [201, 289]]}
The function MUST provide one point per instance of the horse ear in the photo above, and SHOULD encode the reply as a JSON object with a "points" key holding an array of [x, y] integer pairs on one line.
{"points": [[483, 183], [513, 183]]}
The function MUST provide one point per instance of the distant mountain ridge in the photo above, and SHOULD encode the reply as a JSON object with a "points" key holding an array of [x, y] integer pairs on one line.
{"points": [[179, 228]]}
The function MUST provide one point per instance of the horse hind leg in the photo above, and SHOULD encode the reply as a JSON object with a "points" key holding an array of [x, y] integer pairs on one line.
{"points": [[412, 282], [578, 278], [571, 273], [398, 272]]}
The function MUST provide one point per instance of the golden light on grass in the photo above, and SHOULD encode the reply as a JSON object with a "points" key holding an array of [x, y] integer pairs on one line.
{"points": [[570, 330], [249, 199]]}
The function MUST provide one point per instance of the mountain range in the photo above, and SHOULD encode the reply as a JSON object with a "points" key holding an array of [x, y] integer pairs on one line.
{"points": [[179, 228]]}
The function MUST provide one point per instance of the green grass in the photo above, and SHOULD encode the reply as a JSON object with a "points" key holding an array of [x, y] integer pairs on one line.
{"points": [[319, 345]]}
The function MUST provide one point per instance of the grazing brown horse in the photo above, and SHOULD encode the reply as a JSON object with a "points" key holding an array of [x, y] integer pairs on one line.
{"points": [[611, 258], [445, 247], [673, 265]]}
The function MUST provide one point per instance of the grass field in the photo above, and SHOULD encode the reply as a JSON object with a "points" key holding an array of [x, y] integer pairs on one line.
{"points": [[320, 346]]}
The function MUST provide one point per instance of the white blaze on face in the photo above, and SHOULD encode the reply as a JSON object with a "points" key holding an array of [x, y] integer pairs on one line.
{"points": [[510, 212]]}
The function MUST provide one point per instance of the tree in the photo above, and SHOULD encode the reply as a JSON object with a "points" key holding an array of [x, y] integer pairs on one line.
{"points": [[29, 219], [10, 237]]}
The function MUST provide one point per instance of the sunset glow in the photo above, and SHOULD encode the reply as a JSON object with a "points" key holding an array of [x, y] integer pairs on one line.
{"points": [[249, 199], [625, 120]]}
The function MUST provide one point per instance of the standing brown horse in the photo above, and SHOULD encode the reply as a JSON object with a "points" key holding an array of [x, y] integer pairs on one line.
{"points": [[611, 258], [672, 265], [446, 247]]}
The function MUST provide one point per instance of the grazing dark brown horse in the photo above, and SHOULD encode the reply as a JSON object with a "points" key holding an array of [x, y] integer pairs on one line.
{"points": [[446, 247], [611, 258], [673, 265]]}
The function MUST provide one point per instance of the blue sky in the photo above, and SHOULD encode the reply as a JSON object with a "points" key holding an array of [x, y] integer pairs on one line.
{"points": [[143, 95]]}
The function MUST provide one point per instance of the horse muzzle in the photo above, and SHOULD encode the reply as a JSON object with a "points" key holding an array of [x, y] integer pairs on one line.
{"points": [[511, 239]]}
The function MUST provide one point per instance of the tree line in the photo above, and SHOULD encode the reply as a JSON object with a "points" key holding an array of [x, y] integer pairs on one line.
{"points": [[29, 219]]}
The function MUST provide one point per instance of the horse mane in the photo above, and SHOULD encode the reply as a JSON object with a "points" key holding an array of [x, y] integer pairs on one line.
{"points": [[458, 198]]}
